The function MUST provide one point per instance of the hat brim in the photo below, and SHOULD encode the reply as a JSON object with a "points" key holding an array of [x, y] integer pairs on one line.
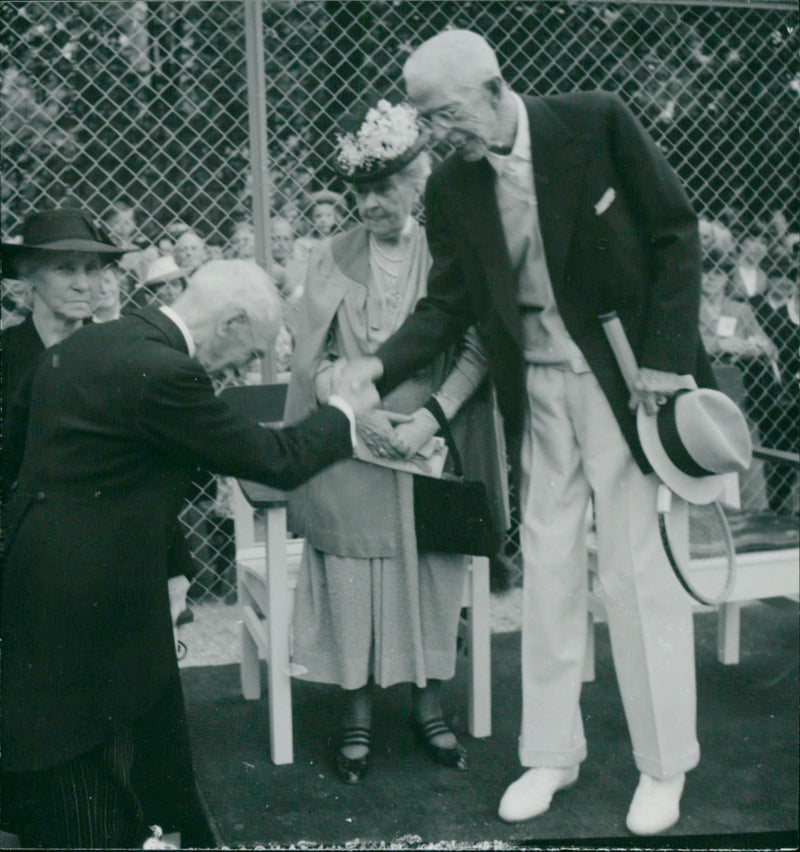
{"points": [[12, 251], [71, 245], [386, 168], [694, 489], [163, 279]]}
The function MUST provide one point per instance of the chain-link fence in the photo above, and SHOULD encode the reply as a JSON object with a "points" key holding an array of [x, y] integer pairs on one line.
{"points": [[139, 111]]}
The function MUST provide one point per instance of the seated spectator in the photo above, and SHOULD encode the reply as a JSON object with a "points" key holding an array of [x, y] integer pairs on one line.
{"points": [[163, 283], [749, 278], [120, 220], [243, 241], [326, 213], [287, 270], [215, 249], [732, 335], [728, 326], [290, 210], [779, 260], [190, 252], [107, 306], [779, 315], [282, 240], [16, 301], [716, 239]]}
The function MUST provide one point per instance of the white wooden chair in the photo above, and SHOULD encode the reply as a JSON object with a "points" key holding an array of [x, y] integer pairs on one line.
{"points": [[267, 565], [767, 557]]}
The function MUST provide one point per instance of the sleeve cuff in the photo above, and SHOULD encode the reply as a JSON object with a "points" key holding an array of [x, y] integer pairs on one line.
{"points": [[344, 406]]}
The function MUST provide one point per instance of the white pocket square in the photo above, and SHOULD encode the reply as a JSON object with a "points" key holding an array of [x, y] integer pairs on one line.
{"points": [[606, 200]]}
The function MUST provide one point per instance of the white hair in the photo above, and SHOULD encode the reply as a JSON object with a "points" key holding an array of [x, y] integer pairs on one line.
{"points": [[224, 286], [461, 56]]}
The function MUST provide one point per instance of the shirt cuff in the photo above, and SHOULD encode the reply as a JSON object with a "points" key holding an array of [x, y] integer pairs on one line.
{"points": [[344, 406]]}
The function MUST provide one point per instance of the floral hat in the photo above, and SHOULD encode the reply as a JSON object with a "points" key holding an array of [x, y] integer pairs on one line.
{"points": [[388, 138]]}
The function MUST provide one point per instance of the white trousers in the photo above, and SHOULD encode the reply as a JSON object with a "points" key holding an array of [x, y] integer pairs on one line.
{"points": [[573, 450]]}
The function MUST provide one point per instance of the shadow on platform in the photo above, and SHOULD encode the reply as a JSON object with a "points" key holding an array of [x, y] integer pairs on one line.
{"points": [[746, 783]]}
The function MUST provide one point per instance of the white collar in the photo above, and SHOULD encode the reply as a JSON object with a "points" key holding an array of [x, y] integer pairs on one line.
{"points": [[522, 142], [182, 327]]}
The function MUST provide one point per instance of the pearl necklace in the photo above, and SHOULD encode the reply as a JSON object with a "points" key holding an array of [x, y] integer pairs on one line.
{"points": [[377, 254]]}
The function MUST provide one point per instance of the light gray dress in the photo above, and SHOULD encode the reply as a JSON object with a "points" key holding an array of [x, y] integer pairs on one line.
{"points": [[367, 603]]}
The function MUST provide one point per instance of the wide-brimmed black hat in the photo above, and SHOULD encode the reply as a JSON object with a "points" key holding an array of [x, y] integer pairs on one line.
{"points": [[376, 153], [65, 229]]}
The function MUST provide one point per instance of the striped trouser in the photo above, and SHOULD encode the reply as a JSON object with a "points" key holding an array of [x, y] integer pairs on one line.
{"points": [[84, 803], [107, 797]]}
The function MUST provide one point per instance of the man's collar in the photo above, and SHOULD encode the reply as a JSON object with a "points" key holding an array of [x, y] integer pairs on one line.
{"points": [[522, 142], [191, 348]]}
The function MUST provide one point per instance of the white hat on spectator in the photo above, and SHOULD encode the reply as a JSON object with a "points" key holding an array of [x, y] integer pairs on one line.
{"points": [[161, 270]]}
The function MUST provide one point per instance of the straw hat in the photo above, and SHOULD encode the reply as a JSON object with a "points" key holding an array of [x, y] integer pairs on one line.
{"points": [[161, 270], [695, 438], [65, 229]]}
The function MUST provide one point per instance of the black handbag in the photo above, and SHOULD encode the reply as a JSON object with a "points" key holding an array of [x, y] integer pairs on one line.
{"points": [[453, 514]]}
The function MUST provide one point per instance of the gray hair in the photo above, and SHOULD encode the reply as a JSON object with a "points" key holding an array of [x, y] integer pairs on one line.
{"points": [[223, 285], [462, 56]]}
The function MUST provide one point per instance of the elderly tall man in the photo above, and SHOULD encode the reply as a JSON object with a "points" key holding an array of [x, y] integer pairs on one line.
{"points": [[94, 739], [552, 211]]}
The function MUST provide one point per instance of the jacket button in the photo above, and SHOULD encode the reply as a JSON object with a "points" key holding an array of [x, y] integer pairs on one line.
{"points": [[602, 244], [40, 495], [14, 485]]}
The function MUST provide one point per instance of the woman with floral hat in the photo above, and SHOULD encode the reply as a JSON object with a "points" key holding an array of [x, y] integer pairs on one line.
{"points": [[371, 610]]}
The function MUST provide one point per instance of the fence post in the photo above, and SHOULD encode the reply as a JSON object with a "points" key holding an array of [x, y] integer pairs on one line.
{"points": [[259, 154]]}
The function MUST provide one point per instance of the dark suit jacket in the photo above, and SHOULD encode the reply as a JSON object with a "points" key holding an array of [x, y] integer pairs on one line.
{"points": [[20, 346], [20, 350], [641, 257], [120, 417]]}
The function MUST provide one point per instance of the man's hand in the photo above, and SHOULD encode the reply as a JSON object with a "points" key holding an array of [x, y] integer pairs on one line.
{"points": [[652, 388], [356, 372], [414, 434], [376, 430], [353, 381]]}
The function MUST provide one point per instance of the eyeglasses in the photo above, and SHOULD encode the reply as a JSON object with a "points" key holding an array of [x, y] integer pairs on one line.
{"points": [[443, 116]]}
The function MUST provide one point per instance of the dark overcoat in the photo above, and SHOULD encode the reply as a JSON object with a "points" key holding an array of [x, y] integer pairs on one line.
{"points": [[640, 255], [120, 416]]}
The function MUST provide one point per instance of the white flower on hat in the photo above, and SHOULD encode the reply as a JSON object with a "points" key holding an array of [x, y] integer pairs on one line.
{"points": [[387, 132]]}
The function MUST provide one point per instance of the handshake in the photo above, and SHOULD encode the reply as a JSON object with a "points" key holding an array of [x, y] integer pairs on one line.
{"points": [[354, 381]]}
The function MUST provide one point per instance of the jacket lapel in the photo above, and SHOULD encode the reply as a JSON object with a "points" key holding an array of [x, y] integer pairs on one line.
{"points": [[557, 177], [477, 203], [558, 174]]}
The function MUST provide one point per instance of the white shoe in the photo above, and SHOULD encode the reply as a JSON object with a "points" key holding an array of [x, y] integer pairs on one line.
{"points": [[656, 804], [530, 795]]}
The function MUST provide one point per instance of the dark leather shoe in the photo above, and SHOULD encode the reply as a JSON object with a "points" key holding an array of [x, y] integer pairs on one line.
{"points": [[352, 769], [424, 732], [185, 617]]}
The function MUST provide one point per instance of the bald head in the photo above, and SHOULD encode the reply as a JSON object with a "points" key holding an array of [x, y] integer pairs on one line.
{"points": [[461, 56], [233, 311]]}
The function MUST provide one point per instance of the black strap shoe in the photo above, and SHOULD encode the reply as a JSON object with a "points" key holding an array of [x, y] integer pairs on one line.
{"points": [[352, 769], [425, 732]]}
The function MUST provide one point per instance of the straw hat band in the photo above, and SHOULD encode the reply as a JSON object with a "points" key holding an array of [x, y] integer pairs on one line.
{"points": [[674, 444], [696, 437], [707, 429]]}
